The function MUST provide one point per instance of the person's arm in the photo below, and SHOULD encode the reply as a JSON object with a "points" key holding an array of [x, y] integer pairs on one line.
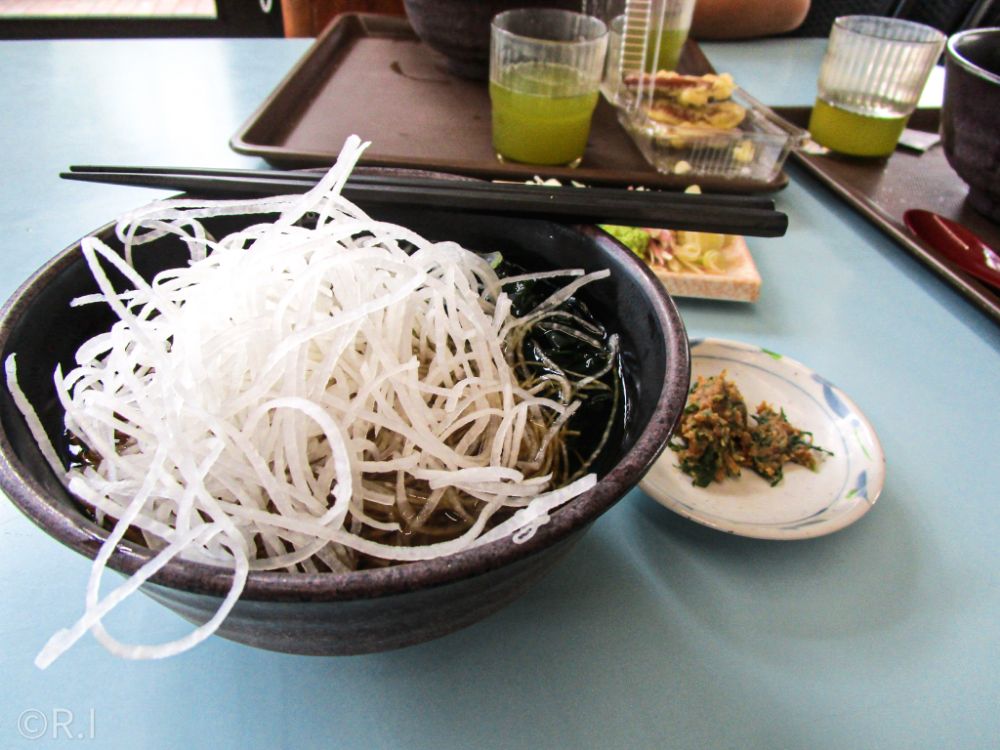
{"points": [[742, 19]]}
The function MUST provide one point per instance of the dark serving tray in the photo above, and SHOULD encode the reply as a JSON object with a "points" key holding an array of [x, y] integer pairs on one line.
{"points": [[370, 75], [883, 189]]}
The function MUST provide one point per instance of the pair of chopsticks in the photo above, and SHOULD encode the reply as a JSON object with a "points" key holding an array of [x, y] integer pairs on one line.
{"points": [[725, 214]]}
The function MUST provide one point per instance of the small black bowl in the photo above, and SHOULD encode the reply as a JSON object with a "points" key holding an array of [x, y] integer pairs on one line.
{"points": [[970, 132], [460, 29], [370, 610]]}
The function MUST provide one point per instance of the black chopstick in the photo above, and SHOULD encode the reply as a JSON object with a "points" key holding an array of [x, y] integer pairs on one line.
{"points": [[400, 177], [709, 213]]}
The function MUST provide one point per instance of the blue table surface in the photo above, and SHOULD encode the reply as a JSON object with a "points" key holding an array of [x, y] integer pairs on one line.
{"points": [[654, 632]]}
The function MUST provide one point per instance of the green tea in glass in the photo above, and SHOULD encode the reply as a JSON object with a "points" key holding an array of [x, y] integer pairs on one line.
{"points": [[545, 72], [870, 81]]}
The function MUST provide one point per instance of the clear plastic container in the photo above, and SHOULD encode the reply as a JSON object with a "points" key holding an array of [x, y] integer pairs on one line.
{"points": [[754, 151]]}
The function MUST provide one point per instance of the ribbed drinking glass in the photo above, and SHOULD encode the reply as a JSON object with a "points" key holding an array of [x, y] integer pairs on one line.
{"points": [[870, 80], [545, 72]]}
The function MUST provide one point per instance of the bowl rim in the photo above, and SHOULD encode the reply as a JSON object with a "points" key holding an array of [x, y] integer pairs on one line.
{"points": [[74, 530], [955, 55]]}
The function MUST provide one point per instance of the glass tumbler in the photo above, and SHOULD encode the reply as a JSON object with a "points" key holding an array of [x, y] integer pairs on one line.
{"points": [[658, 30], [545, 73], [669, 24], [870, 81]]}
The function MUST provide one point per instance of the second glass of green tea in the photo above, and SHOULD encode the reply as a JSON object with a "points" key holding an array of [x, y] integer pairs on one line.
{"points": [[872, 75], [667, 30], [545, 72]]}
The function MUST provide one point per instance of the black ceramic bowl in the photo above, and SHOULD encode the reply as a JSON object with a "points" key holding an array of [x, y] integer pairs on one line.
{"points": [[460, 29], [371, 610], [969, 130]]}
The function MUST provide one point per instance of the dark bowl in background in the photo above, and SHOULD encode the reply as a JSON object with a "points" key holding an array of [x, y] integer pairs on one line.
{"points": [[970, 115], [460, 29], [371, 610]]}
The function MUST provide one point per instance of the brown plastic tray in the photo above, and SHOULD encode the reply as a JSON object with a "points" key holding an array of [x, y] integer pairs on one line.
{"points": [[882, 190], [370, 75]]}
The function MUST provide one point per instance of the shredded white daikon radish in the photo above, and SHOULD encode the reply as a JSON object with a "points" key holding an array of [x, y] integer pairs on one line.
{"points": [[272, 404]]}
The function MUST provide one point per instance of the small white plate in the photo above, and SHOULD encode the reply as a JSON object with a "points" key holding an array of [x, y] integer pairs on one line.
{"points": [[805, 503]]}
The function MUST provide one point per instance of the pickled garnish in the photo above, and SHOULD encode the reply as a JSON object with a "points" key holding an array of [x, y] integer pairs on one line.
{"points": [[716, 438]]}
